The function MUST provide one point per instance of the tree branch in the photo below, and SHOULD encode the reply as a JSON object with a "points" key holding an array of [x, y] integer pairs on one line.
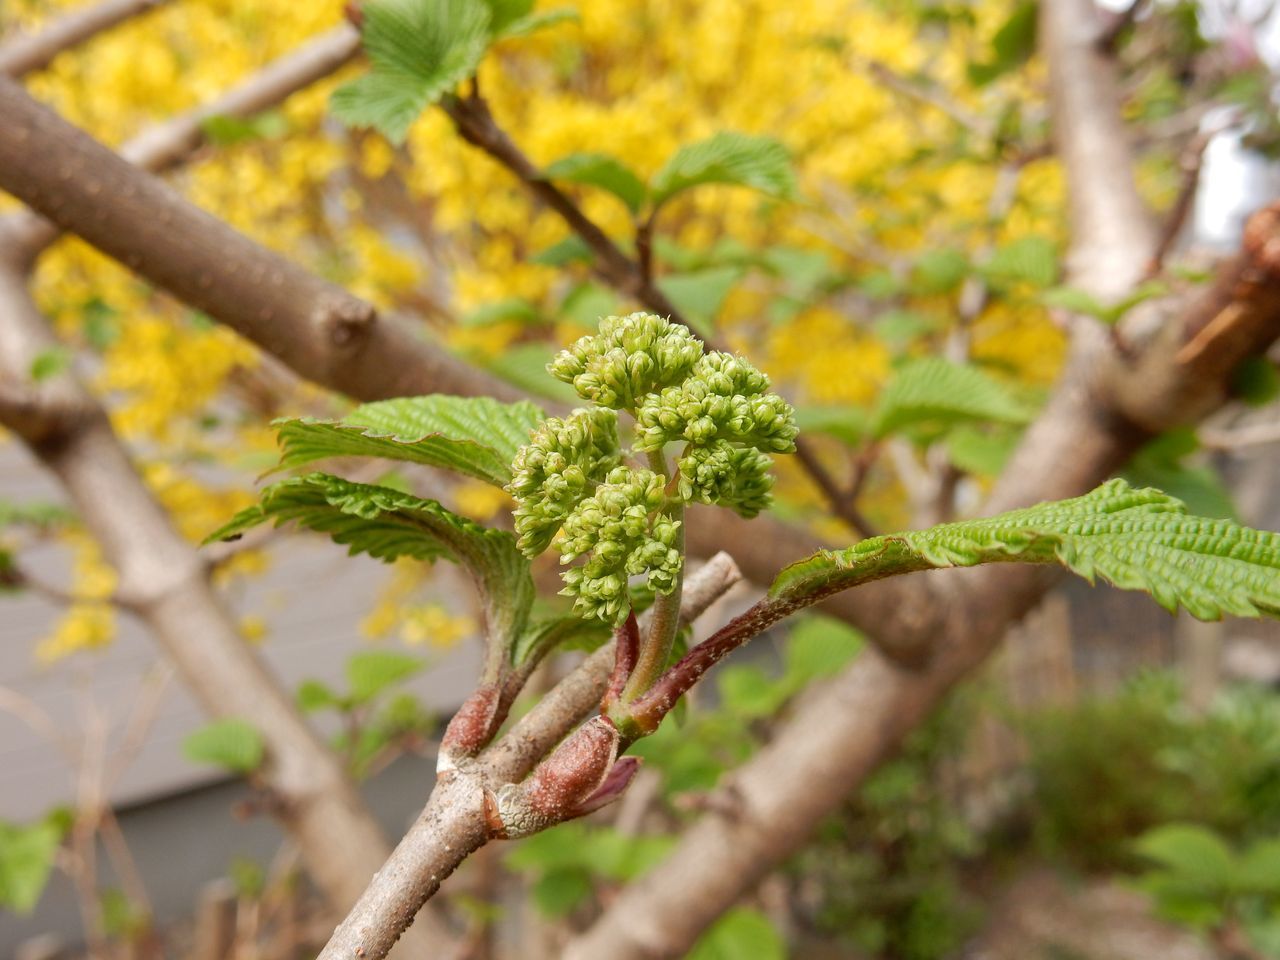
{"points": [[476, 124], [452, 826], [27, 52], [166, 145], [317, 328]]}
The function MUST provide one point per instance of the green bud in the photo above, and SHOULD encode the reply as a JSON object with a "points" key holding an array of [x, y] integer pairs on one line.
{"points": [[557, 469], [622, 532], [735, 477], [630, 358], [724, 398]]}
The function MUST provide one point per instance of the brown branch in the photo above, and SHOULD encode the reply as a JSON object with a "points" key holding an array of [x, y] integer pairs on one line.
{"points": [[1191, 161], [929, 94], [452, 826], [31, 51], [172, 142], [1109, 39], [320, 330], [164, 582], [476, 124]]}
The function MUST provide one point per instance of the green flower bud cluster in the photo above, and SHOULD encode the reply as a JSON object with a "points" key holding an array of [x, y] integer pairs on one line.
{"points": [[630, 357], [559, 466], [724, 398], [622, 521], [736, 477], [623, 533]]}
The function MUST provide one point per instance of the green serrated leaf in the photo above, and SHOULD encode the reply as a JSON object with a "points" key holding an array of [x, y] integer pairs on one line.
{"points": [[846, 423], [27, 853], [1259, 868], [539, 20], [939, 271], [503, 13], [525, 366], [981, 452], [1011, 46], [232, 744], [372, 671], [1031, 259], [554, 633], [387, 524], [818, 647], [741, 934], [586, 303], [1136, 539], [699, 296], [314, 695], [475, 436], [603, 171], [419, 50], [572, 249], [761, 163], [1192, 852], [512, 308], [933, 389]]}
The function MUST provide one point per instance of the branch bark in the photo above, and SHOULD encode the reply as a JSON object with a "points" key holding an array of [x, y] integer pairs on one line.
{"points": [[164, 582], [386, 361], [317, 328], [452, 826], [32, 51]]}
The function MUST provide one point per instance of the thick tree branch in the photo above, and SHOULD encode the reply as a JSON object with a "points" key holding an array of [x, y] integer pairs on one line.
{"points": [[161, 147], [164, 582], [452, 826], [392, 362], [31, 51], [1111, 230], [317, 328]]}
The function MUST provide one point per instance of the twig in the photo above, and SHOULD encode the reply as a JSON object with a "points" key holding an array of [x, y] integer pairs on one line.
{"points": [[1109, 39], [1251, 436], [452, 825], [1191, 162], [476, 124], [928, 93], [32, 51]]}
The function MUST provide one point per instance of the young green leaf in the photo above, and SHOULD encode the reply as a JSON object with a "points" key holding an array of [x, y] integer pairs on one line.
{"points": [[761, 163], [26, 859], [846, 423], [933, 389], [510, 308], [419, 50], [476, 436], [603, 171], [1031, 259], [538, 20], [1135, 539], [372, 671], [49, 363], [387, 524], [232, 744], [741, 934], [701, 294]]}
